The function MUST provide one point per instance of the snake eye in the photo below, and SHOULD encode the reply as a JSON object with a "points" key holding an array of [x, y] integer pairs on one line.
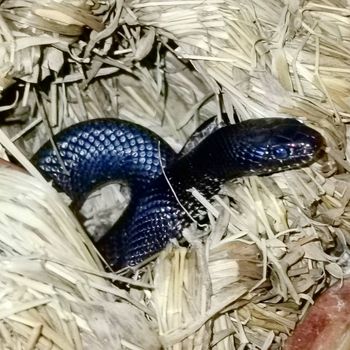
{"points": [[280, 153]]}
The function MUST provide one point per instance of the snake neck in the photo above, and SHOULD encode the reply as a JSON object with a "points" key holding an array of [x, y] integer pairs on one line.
{"points": [[208, 166]]}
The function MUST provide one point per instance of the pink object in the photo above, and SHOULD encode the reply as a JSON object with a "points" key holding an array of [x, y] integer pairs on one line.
{"points": [[7, 164], [326, 325]]}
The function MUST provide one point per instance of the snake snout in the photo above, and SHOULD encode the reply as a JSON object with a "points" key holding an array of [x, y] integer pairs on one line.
{"points": [[311, 142]]}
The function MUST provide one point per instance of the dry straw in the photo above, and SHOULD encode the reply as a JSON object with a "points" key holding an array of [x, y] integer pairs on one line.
{"points": [[273, 242]]}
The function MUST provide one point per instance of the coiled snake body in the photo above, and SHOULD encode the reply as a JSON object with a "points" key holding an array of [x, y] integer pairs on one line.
{"points": [[99, 151]]}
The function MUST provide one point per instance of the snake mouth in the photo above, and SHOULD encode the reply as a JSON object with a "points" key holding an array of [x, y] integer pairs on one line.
{"points": [[319, 153], [314, 155]]}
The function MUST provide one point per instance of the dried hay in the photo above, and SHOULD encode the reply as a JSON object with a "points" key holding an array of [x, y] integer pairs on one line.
{"points": [[275, 242]]}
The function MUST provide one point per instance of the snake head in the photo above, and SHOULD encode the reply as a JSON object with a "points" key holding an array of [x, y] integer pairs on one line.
{"points": [[270, 145]]}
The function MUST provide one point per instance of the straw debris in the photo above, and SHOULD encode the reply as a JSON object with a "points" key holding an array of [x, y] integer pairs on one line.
{"points": [[272, 243]]}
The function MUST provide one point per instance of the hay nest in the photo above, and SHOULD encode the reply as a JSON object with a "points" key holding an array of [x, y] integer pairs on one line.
{"points": [[273, 243]]}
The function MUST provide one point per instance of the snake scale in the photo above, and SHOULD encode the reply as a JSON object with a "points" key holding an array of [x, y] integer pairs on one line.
{"points": [[99, 151]]}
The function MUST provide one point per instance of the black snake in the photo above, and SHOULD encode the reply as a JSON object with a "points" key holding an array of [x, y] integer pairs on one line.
{"points": [[103, 150]]}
